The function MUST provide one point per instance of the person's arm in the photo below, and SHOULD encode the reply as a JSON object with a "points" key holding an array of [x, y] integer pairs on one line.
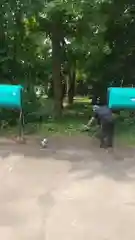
{"points": [[90, 121], [87, 126]]}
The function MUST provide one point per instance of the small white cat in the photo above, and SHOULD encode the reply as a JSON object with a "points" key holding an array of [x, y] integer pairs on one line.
{"points": [[44, 143]]}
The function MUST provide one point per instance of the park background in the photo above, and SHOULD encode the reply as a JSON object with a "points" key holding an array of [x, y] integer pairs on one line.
{"points": [[64, 53]]}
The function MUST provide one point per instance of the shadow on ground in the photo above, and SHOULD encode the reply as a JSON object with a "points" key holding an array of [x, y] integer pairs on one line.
{"points": [[85, 158]]}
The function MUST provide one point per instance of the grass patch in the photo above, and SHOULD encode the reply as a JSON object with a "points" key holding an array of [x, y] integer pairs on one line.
{"points": [[125, 128], [73, 119], [70, 123], [125, 134]]}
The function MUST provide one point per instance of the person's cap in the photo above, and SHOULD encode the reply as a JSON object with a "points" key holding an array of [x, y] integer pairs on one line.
{"points": [[95, 107]]}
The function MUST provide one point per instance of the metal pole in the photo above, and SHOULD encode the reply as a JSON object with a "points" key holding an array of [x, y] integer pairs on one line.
{"points": [[21, 120], [21, 124]]}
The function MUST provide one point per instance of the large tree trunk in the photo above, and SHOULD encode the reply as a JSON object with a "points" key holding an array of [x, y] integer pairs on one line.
{"points": [[56, 71], [71, 86]]}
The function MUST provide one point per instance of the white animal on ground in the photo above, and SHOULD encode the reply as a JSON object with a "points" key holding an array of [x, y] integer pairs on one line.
{"points": [[44, 142]]}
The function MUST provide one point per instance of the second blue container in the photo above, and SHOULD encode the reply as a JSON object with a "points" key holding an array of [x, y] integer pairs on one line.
{"points": [[121, 98]]}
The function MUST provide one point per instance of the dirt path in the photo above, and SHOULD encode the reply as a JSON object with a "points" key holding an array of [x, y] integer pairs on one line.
{"points": [[70, 191]]}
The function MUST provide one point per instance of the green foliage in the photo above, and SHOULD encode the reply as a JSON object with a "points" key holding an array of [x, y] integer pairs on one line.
{"points": [[87, 44]]}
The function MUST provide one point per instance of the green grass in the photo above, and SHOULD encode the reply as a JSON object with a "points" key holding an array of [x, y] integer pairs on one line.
{"points": [[125, 133], [73, 119], [70, 124], [125, 128]]}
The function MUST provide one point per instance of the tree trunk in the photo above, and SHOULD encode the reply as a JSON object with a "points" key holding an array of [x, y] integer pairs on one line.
{"points": [[71, 86], [63, 93], [56, 71]]}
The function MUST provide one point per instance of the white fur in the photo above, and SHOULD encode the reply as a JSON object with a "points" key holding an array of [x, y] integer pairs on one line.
{"points": [[44, 142]]}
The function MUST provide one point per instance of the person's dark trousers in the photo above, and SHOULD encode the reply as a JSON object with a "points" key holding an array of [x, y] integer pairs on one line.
{"points": [[107, 134]]}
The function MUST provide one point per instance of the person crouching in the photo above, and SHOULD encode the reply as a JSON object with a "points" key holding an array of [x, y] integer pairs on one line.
{"points": [[104, 116]]}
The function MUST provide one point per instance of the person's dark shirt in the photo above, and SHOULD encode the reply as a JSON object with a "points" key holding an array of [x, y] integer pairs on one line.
{"points": [[103, 114]]}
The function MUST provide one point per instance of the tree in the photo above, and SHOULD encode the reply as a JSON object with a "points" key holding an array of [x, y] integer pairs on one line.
{"points": [[116, 67], [58, 39], [63, 20]]}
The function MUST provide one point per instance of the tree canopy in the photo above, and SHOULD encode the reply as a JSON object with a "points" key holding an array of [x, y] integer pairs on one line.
{"points": [[66, 46]]}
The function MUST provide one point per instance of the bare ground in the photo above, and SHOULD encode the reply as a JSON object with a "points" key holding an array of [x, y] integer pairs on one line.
{"points": [[70, 191]]}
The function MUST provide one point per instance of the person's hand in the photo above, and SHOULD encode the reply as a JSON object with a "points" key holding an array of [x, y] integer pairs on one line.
{"points": [[85, 128]]}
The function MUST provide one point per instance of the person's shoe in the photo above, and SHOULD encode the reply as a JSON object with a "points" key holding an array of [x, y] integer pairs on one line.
{"points": [[102, 146]]}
